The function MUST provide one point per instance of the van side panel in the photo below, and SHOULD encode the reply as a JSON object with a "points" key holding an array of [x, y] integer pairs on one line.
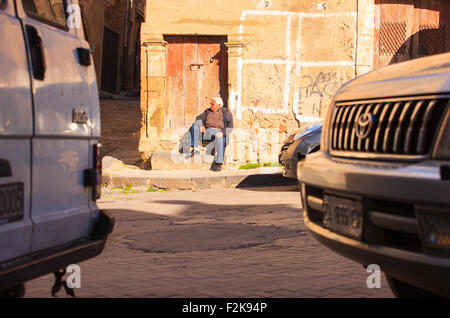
{"points": [[91, 81], [16, 116], [61, 211], [15, 237], [64, 88], [60, 208], [96, 129], [16, 128]]}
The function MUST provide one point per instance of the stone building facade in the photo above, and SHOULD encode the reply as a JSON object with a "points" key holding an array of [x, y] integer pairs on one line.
{"points": [[113, 31], [276, 63]]}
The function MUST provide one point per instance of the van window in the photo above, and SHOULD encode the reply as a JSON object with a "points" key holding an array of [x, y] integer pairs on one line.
{"points": [[48, 11]]}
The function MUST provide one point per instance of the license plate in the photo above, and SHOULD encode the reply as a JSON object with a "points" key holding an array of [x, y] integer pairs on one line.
{"points": [[343, 216], [11, 202]]}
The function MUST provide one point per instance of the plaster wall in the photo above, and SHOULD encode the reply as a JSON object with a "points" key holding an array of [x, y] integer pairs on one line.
{"points": [[286, 60]]}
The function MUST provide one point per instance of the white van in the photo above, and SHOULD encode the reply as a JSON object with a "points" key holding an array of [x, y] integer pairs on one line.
{"points": [[50, 165]]}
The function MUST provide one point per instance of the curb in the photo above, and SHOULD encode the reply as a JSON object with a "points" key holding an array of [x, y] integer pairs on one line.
{"points": [[199, 182]]}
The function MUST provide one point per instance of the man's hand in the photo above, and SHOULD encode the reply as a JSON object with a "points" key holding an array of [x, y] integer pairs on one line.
{"points": [[202, 129], [219, 134]]}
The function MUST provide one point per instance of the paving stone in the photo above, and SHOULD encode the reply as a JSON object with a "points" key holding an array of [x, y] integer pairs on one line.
{"points": [[209, 182], [275, 269], [126, 181]]}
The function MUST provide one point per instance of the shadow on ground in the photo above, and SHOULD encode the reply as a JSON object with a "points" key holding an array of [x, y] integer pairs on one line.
{"points": [[206, 227], [266, 180]]}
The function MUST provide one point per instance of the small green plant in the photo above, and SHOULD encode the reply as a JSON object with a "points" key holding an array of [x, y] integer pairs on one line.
{"points": [[151, 189], [249, 166], [127, 189]]}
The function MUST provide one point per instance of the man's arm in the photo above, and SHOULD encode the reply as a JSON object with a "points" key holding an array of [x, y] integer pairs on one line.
{"points": [[229, 121], [202, 118]]}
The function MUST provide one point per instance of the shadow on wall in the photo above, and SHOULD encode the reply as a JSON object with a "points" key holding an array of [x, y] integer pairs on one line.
{"points": [[424, 43], [121, 130], [406, 30]]}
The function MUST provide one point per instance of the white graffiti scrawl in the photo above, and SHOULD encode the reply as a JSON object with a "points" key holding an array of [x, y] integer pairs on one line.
{"points": [[308, 90]]}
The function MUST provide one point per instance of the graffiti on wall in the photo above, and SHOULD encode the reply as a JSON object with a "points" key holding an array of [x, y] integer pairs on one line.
{"points": [[323, 85], [312, 90], [316, 91]]}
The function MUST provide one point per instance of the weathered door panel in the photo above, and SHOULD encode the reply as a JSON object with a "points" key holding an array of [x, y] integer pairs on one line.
{"points": [[196, 72], [208, 73], [434, 20], [405, 13], [392, 33], [407, 29], [174, 116], [190, 92]]}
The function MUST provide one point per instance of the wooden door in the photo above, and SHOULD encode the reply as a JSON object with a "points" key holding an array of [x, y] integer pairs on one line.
{"points": [[408, 29], [196, 72]]}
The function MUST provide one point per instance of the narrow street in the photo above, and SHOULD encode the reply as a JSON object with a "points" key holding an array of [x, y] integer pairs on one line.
{"points": [[157, 149], [214, 243]]}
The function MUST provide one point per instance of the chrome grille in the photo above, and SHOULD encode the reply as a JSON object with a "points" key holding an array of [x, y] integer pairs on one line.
{"points": [[403, 127]]}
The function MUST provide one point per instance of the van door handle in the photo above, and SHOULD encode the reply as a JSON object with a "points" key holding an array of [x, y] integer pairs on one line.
{"points": [[37, 52], [84, 56]]}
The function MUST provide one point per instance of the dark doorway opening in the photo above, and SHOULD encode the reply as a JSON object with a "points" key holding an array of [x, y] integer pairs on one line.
{"points": [[110, 61]]}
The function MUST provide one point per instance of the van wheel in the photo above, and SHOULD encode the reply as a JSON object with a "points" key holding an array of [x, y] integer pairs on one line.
{"points": [[14, 292], [404, 290]]}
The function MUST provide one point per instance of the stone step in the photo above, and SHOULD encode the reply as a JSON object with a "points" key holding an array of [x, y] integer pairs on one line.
{"points": [[176, 161]]}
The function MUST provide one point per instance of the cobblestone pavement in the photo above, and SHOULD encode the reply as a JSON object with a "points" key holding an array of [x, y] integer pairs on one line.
{"points": [[214, 243]]}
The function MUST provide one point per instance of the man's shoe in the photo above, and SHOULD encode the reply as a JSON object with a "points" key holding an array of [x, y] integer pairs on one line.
{"points": [[216, 167], [194, 152]]}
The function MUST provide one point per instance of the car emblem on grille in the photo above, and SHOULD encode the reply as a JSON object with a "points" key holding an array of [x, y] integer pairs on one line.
{"points": [[364, 125]]}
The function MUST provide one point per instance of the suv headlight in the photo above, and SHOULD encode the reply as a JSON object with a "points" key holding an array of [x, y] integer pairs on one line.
{"points": [[442, 148]]}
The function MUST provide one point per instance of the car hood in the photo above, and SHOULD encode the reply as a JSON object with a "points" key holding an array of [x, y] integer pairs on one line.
{"points": [[423, 76]]}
